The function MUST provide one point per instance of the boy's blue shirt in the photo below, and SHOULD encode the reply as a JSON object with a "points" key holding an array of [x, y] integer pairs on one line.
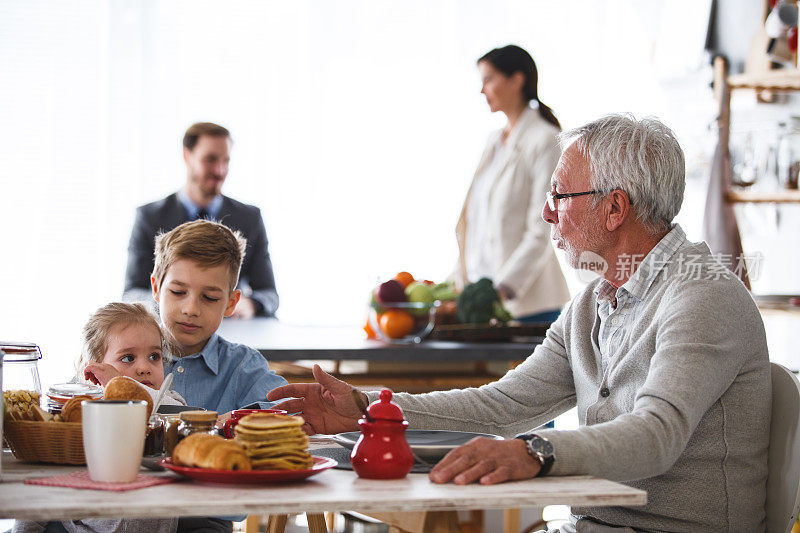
{"points": [[223, 376]]}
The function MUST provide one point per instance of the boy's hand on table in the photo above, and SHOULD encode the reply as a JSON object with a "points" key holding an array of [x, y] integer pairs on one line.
{"points": [[327, 406], [486, 461], [100, 373]]}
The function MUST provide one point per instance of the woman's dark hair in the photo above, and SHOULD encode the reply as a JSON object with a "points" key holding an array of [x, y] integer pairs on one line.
{"points": [[510, 59]]}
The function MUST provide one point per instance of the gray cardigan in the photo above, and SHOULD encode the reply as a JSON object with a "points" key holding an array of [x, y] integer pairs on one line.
{"points": [[687, 412]]}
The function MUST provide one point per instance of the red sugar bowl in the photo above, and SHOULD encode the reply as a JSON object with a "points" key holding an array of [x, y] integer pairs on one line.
{"points": [[382, 451]]}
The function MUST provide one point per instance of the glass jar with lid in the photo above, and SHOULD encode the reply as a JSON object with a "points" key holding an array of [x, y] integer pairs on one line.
{"points": [[21, 371], [192, 422], [61, 393]]}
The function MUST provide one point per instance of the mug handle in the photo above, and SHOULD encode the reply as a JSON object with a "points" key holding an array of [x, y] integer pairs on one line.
{"points": [[227, 428]]}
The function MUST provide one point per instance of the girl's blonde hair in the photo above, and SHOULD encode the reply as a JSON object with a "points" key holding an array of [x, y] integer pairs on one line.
{"points": [[98, 328]]}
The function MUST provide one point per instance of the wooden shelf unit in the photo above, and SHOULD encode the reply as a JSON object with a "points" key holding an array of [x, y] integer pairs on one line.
{"points": [[764, 84], [773, 81], [779, 80], [763, 197]]}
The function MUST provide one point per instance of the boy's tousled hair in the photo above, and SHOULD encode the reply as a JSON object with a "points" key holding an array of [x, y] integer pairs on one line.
{"points": [[98, 328], [207, 243]]}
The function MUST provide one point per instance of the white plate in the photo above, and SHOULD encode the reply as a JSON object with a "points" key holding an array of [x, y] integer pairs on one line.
{"points": [[428, 445]]}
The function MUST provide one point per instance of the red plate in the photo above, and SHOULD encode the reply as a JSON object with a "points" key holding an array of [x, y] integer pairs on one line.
{"points": [[210, 475]]}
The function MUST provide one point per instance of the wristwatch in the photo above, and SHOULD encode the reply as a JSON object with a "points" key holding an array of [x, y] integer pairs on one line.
{"points": [[540, 449]]}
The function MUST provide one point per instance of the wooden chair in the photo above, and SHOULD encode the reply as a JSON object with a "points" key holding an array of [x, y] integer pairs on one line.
{"points": [[783, 477]]}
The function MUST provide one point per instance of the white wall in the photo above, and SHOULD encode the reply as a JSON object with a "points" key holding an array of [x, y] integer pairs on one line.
{"points": [[357, 126]]}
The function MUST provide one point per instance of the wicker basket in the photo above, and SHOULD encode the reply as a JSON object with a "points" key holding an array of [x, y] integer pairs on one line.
{"points": [[45, 442]]}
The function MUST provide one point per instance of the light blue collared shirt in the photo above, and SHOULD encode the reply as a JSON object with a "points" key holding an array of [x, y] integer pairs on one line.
{"points": [[223, 376], [618, 307], [212, 209]]}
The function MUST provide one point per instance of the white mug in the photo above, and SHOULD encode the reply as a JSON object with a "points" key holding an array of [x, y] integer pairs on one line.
{"points": [[113, 438]]}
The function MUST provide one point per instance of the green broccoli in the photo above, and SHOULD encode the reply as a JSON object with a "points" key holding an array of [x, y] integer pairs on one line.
{"points": [[501, 313], [479, 302]]}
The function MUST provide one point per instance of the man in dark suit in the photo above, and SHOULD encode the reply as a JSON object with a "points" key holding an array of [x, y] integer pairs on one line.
{"points": [[206, 151]]}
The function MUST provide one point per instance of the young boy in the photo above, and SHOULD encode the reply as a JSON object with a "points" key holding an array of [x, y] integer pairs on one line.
{"points": [[194, 282]]}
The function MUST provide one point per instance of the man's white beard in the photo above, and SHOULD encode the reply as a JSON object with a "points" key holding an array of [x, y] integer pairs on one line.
{"points": [[575, 255], [572, 253]]}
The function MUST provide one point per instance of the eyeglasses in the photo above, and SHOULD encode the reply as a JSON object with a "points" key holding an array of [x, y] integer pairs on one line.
{"points": [[553, 197]]}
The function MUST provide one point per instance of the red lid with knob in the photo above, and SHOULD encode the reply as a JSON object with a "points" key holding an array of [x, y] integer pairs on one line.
{"points": [[384, 409]]}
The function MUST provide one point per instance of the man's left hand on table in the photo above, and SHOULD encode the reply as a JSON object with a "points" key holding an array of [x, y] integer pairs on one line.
{"points": [[486, 461]]}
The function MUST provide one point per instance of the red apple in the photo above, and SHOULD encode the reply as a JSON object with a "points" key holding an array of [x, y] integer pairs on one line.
{"points": [[391, 292]]}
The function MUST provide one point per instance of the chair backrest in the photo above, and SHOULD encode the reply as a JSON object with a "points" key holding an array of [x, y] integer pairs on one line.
{"points": [[783, 478]]}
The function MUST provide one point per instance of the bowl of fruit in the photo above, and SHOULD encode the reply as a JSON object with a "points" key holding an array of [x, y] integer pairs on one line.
{"points": [[402, 310]]}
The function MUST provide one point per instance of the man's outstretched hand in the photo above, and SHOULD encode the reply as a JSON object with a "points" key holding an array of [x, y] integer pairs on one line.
{"points": [[327, 405]]}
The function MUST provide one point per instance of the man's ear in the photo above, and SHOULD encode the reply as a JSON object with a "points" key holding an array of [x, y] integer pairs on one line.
{"points": [[154, 286], [618, 209], [186, 153], [232, 301]]}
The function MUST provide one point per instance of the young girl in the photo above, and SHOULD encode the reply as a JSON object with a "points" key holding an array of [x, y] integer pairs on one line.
{"points": [[124, 339], [120, 339]]}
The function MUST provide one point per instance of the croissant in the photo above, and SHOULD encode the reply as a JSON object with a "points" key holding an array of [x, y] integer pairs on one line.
{"points": [[201, 450]]}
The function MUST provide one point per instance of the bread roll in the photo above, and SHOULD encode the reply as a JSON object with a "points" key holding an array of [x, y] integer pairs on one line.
{"points": [[200, 450], [125, 388]]}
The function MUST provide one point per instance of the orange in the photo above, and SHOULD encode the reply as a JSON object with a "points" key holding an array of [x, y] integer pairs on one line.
{"points": [[396, 324], [368, 330], [404, 278]]}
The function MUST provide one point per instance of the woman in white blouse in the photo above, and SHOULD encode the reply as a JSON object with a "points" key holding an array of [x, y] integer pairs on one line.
{"points": [[501, 234]]}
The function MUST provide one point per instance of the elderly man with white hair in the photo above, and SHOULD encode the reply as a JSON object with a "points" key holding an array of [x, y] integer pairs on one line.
{"points": [[664, 355]]}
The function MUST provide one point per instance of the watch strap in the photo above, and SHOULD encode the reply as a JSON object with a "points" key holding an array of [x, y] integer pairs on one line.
{"points": [[537, 448]]}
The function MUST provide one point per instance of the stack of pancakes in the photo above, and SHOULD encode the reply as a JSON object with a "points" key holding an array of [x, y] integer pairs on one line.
{"points": [[274, 441]]}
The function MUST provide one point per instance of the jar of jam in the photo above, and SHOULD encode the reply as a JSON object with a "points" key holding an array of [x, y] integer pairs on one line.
{"points": [[171, 423], [195, 422], [154, 438]]}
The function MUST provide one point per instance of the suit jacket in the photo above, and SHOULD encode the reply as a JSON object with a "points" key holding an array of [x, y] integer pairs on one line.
{"points": [[522, 255], [168, 213]]}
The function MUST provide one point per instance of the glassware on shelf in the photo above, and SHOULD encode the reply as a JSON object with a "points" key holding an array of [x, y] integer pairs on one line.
{"points": [[743, 161], [789, 153]]}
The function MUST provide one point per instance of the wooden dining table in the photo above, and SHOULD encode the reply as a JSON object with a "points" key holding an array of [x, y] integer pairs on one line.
{"points": [[408, 501], [416, 367]]}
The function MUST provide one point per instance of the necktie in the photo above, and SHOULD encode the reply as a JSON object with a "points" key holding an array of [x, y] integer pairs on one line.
{"points": [[202, 214]]}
